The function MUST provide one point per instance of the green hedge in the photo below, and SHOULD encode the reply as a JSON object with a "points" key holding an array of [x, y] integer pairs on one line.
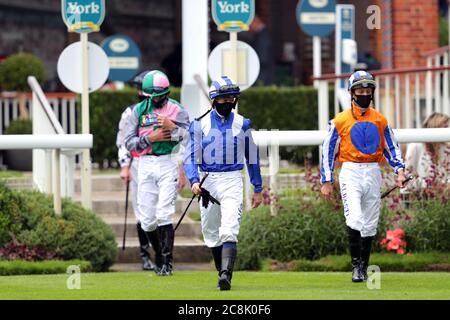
{"points": [[309, 228], [386, 261], [303, 229], [269, 108], [429, 227], [28, 218], [20, 126], [20, 267]]}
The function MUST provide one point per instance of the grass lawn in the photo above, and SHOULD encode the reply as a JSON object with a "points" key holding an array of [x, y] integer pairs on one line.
{"points": [[10, 174], [246, 285]]}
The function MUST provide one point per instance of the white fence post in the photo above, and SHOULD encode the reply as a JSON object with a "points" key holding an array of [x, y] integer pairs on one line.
{"points": [[408, 122], [387, 96], [57, 181], [48, 187], [417, 102], [437, 85], [397, 102], [428, 89], [446, 98], [274, 163]]}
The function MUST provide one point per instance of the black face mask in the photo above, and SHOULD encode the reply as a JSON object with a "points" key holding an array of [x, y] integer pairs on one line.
{"points": [[224, 109], [363, 101], [160, 103]]}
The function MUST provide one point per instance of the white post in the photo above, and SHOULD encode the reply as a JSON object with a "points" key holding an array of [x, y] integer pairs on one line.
{"points": [[387, 96], [195, 55], [57, 181], [323, 105], [86, 198], [428, 89], [397, 102], [417, 104], [48, 187], [437, 85], [274, 163], [337, 109], [446, 98], [323, 109], [317, 59], [407, 122]]}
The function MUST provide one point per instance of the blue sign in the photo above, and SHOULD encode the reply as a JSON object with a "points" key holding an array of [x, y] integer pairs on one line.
{"points": [[316, 17], [345, 29], [124, 57], [233, 15], [83, 16]]}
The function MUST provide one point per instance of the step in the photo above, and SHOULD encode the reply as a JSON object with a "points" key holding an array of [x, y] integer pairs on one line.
{"points": [[107, 182], [113, 202], [187, 228], [185, 250], [112, 182]]}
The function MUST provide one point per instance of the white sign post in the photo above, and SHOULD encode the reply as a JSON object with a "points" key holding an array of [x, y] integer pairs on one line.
{"points": [[84, 16], [246, 57], [233, 16], [195, 56], [316, 18]]}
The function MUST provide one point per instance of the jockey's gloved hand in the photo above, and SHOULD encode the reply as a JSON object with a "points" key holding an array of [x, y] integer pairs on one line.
{"points": [[206, 197]]}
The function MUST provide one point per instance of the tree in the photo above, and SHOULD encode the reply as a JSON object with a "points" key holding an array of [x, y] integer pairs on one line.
{"points": [[14, 72]]}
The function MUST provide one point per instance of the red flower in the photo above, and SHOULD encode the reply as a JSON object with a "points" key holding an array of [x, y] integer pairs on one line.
{"points": [[399, 233], [390, 235], [394, 241]]}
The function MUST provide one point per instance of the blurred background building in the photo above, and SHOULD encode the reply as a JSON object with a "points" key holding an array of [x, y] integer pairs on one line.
{"points": [[409, 28]]}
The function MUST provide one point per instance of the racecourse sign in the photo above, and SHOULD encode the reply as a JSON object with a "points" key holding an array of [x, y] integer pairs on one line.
{"points": [[83, 16], [316, 17], [233, 15]]}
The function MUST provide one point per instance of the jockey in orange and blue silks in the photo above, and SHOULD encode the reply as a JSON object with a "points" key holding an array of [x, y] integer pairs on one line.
{"points": [[360, 138]]}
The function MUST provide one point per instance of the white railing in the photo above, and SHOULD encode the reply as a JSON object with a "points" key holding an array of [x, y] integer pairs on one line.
{"points": [[405, 96], [272, 140], [45, 121], [53, 150], [54, 143], [62, 104], [440, 91]]}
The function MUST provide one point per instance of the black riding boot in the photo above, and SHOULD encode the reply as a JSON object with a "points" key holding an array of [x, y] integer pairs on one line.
{"points": [[167, 235], [217, 255], [144, 246], [366, 246], [354, 239], [153, 238], [226, 271]]}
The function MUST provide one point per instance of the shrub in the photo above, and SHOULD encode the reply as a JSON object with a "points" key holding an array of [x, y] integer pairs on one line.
{"points": [[20, 126], [14, 251], [429, 227], [386, 261], [280, 108], [15, 70], [28, 218], [20, 267], [306, 227], [11, 205]]}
